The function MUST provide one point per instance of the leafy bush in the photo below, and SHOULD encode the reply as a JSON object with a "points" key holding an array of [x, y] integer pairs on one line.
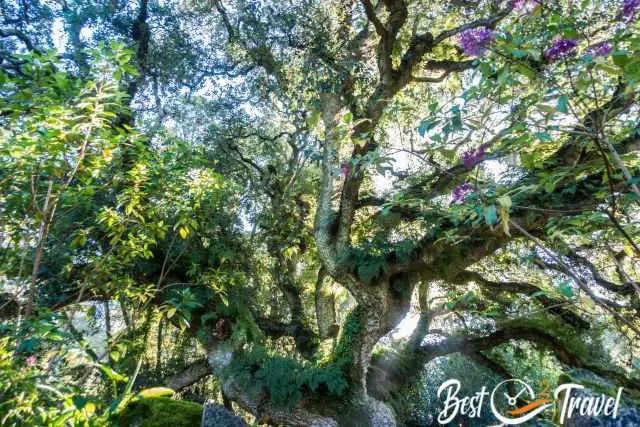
{"points": [[285, 379]]}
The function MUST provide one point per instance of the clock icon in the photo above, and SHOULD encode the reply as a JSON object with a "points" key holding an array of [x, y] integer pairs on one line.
{"points": [[505, 398]]}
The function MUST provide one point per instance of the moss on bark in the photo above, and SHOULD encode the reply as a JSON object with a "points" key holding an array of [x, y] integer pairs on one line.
{"points": [[161, 412]]}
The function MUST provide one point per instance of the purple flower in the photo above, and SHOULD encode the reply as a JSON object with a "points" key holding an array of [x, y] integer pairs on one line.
{"points": [[460, 192], [561, 48], [345, 169], [629, 9], [472, 157], [526, 4], [600, 49], [475, 40]]}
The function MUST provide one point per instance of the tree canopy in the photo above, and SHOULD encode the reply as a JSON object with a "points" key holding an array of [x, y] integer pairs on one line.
{"points": [[298, 207]]}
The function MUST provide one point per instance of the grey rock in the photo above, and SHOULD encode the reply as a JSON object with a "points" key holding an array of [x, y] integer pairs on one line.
{"points": [[215, 415], [628, 417]]}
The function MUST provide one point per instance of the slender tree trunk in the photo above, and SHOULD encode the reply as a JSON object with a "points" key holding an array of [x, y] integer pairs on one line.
{"points": [[107, 328], [47, 214], [125, 316], [159, 347]]}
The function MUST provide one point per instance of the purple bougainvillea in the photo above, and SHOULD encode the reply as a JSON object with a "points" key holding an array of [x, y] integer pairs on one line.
{"points": [[561, 48], [629, 9], [472, 157], [525, 4], [475, 40], [600, 49], [345, 168], [460, 192]]}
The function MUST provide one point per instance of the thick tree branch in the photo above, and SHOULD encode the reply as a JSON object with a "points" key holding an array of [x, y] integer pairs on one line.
{"points": [[141, 36], [371, 15], [623, 289], [553, 305], [188, 376], [567, 271], [570, 153], [323, 227], [489, 22], [391, 82], [12, 32], [448, 65], [609, 306], [564, 354]]}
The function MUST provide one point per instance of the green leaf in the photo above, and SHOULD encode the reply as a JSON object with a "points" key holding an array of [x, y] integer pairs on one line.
{"points": [[503, 76], [426, 125], [491, 313], [620, 58], [628, 250], [130, 69], [563, 103], [149, 393], [224, 299], [29, 345], [79, 402], [505, 205], [543, 136], [566, 290], [505, 202], [525, 71], [91, 312], [313, 119], [113, 375], [490, 214], [534, 53], [518, 53]]}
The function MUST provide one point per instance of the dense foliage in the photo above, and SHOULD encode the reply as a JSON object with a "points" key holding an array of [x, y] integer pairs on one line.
{"points": [[315, 211]]}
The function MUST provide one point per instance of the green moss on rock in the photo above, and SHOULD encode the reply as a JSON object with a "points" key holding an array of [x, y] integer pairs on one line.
{"points": [[161, 412]]}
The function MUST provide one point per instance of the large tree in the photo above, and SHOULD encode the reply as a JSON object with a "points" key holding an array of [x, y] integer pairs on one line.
{"points": [[481, 157]]}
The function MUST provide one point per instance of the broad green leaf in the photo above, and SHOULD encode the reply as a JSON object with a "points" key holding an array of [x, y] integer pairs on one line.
{"points": [[563, 103], [149, 393], [490, 214]]}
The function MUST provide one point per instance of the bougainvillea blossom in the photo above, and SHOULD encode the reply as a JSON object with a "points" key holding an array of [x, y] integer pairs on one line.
{"points": [[475, 40], [561, 48], [461, 192]]}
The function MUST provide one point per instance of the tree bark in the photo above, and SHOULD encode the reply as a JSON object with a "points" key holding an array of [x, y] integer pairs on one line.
{"points": [[325, 309], [189, 375]]}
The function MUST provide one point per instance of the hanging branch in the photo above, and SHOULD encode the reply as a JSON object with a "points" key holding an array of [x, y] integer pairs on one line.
{"points": [[584, 286]]}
